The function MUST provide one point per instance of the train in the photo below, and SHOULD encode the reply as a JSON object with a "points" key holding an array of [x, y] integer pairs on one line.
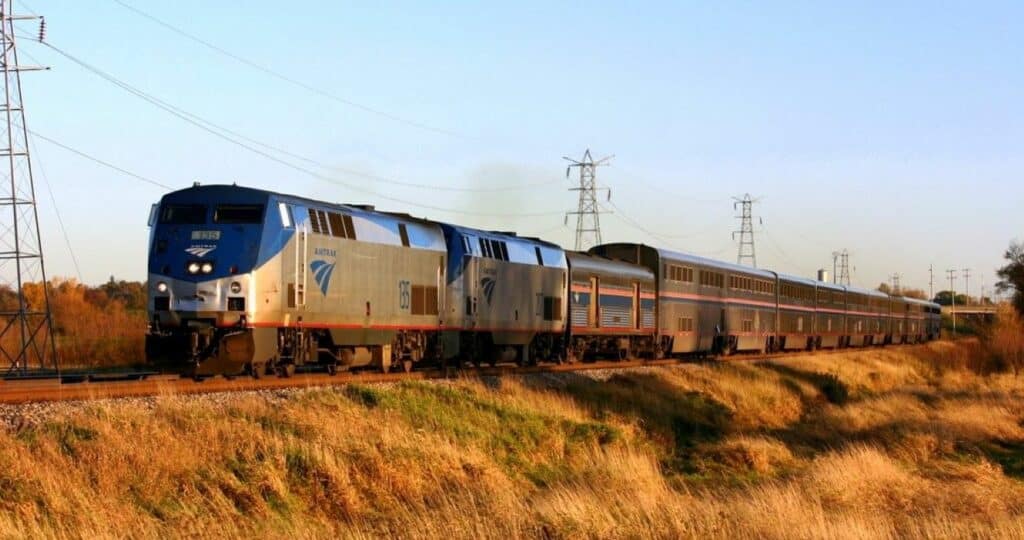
{"points": [[244, 281]]}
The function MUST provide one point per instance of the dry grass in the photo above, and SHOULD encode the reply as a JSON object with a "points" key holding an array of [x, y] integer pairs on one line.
{"points": [[1005, 339], [865, 444]]}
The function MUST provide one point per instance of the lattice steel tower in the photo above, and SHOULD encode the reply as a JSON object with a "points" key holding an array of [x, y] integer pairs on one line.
{"points": [[841, 267], [26, 334], [588, 212], [746, 232]]}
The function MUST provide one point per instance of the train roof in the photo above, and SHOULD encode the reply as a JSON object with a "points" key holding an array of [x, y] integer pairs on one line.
{"points": [[596, 263], [868, 292], [374, 226], [832, 286], [501, 235], [920, 302], [697, 259], [799, 279], [219, 190]]}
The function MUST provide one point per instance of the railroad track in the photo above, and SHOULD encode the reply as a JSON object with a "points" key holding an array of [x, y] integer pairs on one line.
{"points": [[53, 389]]}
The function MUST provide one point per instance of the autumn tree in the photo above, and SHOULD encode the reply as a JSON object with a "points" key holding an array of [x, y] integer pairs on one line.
{"points": [[945, 298], [1011, 276], [909, 293]]}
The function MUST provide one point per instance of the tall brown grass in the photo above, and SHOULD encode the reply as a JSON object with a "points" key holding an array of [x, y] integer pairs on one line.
{"points": [[1005, 339], [921, 446]]}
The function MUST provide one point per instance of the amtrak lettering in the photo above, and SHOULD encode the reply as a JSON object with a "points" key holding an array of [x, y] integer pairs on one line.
{"points": [[325, 252]]}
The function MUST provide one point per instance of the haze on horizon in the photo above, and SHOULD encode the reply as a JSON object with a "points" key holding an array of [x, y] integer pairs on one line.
{"points": [[893, 131]]}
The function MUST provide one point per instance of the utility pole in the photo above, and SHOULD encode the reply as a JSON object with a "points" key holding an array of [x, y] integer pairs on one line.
{"points": [[841, 273], [967, 284], [931, 282], [26, 337], [746, 231], [588, 212], [952, 295], [896, 283]]}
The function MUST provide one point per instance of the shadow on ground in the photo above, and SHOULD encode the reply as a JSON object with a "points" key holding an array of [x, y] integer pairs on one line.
{"points": [[678, 420]]}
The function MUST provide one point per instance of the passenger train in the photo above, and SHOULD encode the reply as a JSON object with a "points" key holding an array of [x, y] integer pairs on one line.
{"points": [[243, 280]]}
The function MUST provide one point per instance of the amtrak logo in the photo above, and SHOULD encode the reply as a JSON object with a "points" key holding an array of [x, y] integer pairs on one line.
{"points": [[488, 284], [200, 251], [322, 271]]}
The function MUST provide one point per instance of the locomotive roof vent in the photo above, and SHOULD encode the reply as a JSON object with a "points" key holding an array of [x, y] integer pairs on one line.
{"points": [[367, 207]]}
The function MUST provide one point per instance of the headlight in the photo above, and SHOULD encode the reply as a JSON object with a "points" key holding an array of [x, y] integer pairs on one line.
{"points": [[207, 267], [193, 268], [236, 287], [161, 287]]}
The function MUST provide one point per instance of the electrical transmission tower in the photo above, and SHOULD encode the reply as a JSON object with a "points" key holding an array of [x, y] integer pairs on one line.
{"points": [[26, 324], [841, 267], [588, 212], [746, 232], [896, 283]]}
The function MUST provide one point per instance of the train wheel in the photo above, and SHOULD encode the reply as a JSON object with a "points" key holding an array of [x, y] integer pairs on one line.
{"points": [[257, 370], [285, 371], [332, 369]]}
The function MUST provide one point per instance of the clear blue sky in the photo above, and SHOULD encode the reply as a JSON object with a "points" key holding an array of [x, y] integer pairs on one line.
{"points": [[893, 130]]}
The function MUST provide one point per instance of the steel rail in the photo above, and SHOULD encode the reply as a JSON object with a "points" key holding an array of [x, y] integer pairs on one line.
{"points": [[49, 390]]}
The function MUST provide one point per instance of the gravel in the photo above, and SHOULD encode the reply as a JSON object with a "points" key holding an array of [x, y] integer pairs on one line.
{"points": [[22, 416]]}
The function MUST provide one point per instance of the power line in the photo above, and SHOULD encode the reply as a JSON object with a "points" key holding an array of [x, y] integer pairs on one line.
{"points": [[100, 161], [280, 76], [675, 196], [208, 125], [233, 138], [655, 236], [56, 211], [785, 256]]}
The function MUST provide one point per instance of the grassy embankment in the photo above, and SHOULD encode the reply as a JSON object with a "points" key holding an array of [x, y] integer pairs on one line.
{"points": [[879, 443]]}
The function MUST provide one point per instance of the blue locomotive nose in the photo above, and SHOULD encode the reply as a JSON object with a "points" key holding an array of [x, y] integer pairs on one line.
{"points": [[197, 239]]}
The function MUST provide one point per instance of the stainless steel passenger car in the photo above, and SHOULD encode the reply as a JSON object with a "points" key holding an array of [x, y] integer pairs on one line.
{"points": [[797, 301], [705, 305], [830, 319], [612, 308]]}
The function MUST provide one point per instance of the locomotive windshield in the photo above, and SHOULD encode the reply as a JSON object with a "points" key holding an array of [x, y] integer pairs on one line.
{"points": [[238, 213], [183, 214]]}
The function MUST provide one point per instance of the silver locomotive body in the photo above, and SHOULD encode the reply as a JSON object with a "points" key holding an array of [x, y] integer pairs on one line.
{"points": [[504, 298]]}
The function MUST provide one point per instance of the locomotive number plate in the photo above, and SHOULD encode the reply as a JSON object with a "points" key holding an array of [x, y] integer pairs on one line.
{"points": [[206, 235]]}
